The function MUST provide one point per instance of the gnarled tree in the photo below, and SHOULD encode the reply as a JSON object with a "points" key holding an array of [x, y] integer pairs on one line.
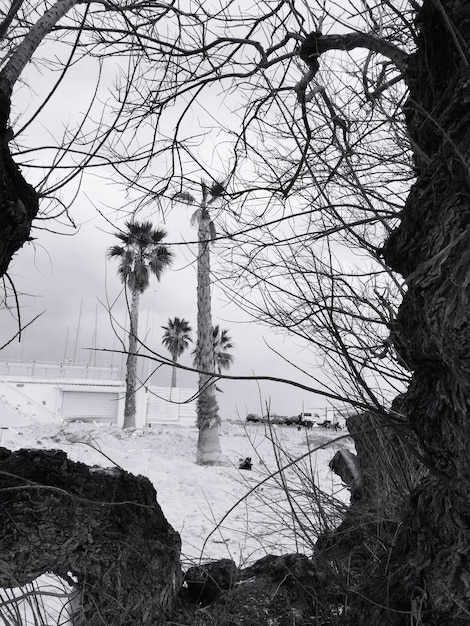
{"points": [[426, 571], [419, 51]]}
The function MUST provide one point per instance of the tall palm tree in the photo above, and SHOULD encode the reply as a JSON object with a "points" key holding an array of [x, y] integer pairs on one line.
{"points": [[140, 255], [176, 338], [208, 419]]}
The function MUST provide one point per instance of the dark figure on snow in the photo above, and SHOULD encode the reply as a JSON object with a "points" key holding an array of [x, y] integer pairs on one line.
{"points": [[246, 464]]}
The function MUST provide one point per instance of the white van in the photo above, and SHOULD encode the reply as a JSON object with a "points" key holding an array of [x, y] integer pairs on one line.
{"points": [[310, 416]]}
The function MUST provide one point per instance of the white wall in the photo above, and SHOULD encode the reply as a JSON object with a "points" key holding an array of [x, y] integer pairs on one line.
{"points": [[29, 399], [40, 399]]}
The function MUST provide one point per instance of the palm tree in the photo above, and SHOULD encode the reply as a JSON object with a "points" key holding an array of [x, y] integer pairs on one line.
{"points": [[176, 338], [141, 255], [208, 419], [222, 343]]}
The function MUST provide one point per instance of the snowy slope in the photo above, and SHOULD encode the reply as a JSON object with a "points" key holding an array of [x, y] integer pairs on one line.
{"points": [[195, 499]]}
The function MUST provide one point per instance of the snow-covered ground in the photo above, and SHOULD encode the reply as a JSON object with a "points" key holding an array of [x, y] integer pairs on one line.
{"points": [[195, 499], [209, 506]]}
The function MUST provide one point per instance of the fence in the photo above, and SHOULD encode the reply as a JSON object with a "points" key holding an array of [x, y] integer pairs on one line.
{"points": [[39, 369]]}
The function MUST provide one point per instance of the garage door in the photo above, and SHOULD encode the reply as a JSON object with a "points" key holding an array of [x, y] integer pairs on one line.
{"points": [[96, 406]]}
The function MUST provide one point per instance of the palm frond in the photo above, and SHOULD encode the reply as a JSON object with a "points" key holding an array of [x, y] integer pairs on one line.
{"points": [[161, 258], [185, 197], [224, 360], [177, 336], [157, 235], [221, 342], [141, 254], [115, 251], [217, 191]]}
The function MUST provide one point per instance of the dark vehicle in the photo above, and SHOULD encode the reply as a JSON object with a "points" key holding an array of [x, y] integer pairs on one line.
{"points": [[293, 419], [252, 417], [274, 419]]}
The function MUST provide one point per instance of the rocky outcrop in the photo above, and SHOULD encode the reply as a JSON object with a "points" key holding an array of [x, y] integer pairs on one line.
{"points": [[275, 591], [101, 528]]}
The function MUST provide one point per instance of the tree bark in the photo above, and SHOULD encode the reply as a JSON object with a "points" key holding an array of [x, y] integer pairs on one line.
{"points": [[19, 204], [131, 364], [208, 445], [33, 38], [173, 373], [425, 577], [208, 420], [102, 527]]}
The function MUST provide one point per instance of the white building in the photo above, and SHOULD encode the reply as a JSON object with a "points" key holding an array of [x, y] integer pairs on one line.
{"points": [[46, 392]]}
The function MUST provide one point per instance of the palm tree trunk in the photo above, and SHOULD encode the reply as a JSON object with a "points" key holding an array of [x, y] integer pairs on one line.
{"points": [[173, 373], [208, 445], [208, 420], [131, 365], [173, 378]]}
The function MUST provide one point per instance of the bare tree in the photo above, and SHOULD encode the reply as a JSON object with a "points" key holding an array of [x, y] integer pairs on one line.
{"points": [[317, 172], [44, 48], [370, 68], [317, 98]]}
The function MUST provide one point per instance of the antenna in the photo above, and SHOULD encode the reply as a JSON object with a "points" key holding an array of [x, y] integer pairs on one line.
{"points": [[64, 360], [78, 331], [94, 339]]}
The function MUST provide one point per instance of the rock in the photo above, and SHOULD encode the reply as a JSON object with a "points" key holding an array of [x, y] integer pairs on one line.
{"points": [[103, 527], [205, 583], [275, 591]]}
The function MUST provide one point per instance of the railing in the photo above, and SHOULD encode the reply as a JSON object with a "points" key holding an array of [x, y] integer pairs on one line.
{"points": [[39, 369]]}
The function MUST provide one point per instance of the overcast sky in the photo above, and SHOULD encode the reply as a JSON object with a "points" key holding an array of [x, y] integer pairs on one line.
{"points": [[69, 281]]}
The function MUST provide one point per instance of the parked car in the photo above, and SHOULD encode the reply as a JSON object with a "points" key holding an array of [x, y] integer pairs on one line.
{"points": [[293, 419], [273, 418]]}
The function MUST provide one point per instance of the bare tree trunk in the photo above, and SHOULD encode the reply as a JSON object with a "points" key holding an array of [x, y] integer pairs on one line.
{"points": [[36, 34], [381, 476], [208, 420], [426, 574], [19, 203], [131, 365]]}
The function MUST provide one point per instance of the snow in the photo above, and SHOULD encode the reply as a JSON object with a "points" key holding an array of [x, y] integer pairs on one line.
{"points": [[209, 505], [195, 498]]}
